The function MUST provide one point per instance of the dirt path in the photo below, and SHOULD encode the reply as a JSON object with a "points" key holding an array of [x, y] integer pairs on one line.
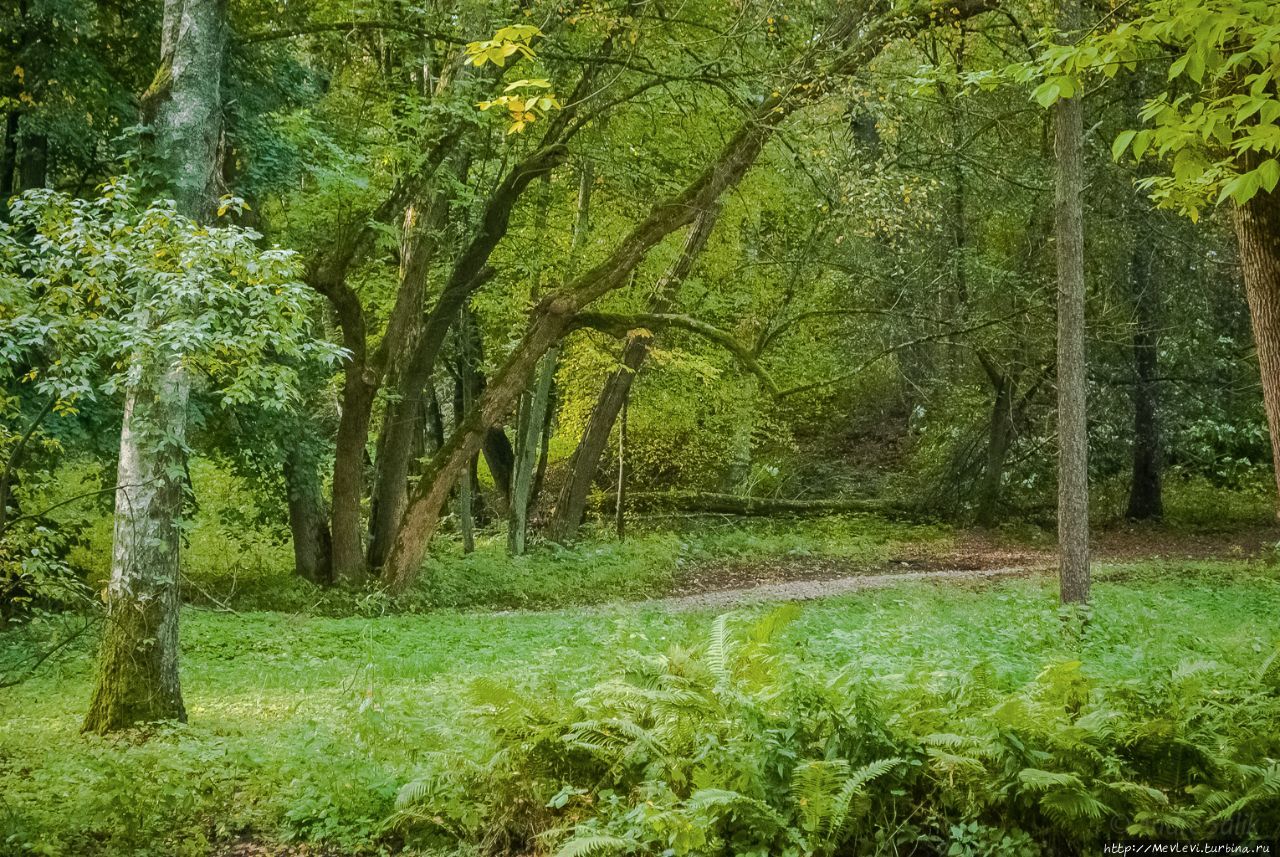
{"points": [[807, 590], [970, 557]]}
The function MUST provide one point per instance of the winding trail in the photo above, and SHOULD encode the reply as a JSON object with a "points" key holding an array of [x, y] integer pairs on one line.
{"points": [[808, 590]]}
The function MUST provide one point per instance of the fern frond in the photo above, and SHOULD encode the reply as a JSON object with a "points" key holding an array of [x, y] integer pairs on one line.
{"points": [[854, 787], [772, 624], [718, 647], [413, 793], [1034, 779], [589, 846]]}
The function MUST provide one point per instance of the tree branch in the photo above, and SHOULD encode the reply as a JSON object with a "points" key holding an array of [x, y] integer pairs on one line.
{"points": [[346, 27], [619, 325], [15, 457]]}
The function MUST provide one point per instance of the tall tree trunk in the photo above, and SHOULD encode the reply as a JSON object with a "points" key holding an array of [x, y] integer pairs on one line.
{"points": [[308, 515], [462, 397], [1257, 226], [999, 434], [1145, 500], [1073, 439], [358, 392], [8, 161], [529, 428], [33, 168], [401, 423], [137, 677], [571, 504]]}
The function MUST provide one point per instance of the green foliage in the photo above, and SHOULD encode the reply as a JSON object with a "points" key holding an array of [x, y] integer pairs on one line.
{"points": [[1216, 125], [104, 282], [305, 728], [742, 749]]}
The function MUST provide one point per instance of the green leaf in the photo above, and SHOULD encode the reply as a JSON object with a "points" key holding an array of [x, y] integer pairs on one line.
{"points": [[1047, 93], [1268, 174], [1121, 144]]}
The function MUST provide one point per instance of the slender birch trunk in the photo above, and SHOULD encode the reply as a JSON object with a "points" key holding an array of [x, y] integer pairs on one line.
{"points": [[137, 678]]}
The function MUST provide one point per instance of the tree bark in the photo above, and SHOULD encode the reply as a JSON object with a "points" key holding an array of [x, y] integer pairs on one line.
{"points": [[1073, 441], [571, 503], [462, 396], [1145, 499], [358, 391], [401, 423], [999, 434], [529, 428], [137, 677], [1257, 226], [308, 515]]}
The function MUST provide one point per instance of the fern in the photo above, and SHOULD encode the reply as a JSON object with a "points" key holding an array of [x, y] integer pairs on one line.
{"points": [[718, 647], [591, 846], [854, 787], [413, 793]]}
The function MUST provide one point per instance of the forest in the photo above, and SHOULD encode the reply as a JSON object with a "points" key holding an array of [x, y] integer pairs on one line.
{"points": [[639, 427]]}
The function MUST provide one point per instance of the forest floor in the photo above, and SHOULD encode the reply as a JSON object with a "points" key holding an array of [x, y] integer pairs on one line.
{"points": [[304, 723], [968, 557]]}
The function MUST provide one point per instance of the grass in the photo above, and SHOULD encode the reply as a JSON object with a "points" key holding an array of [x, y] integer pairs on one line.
{"points": [[598, 570], [302, 727]]}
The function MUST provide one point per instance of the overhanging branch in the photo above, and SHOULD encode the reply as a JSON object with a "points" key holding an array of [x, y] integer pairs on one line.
{"points": [[620, 325]]}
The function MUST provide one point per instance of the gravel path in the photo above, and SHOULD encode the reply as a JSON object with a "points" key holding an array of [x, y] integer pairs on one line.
{"points": [[807, 590]]}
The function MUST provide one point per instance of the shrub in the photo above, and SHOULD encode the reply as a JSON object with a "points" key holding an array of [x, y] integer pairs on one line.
{"points": [[740, 749]]}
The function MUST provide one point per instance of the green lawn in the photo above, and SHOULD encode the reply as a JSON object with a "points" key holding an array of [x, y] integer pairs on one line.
{"points": [[304, 727]]}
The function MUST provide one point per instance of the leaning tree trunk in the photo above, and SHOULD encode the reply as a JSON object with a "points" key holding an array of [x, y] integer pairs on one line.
{"points": [[401, 422], [859, 38], [571, 504], [1073, 440], [1257, 225], [137, 676], [1145, 500]]}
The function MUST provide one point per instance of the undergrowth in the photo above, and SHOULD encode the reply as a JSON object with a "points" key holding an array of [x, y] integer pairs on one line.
{"points": [[740, 748], [304, 728]]}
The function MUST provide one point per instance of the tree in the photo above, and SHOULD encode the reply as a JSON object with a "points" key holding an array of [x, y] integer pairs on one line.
{"points": [[98, 279], [851, 41], [1216, 129], [1073, 433], [138, 664]]}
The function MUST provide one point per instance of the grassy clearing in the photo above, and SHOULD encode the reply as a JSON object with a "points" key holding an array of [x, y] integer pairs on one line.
{"points": [[304, 727], [598, 570]]}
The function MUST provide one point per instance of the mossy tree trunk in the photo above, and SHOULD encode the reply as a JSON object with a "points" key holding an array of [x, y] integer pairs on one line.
{"points": [[138, 663], [137, 677]]}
